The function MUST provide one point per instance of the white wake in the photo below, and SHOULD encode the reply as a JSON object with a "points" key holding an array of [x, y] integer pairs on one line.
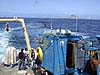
{"points": [[4, 42]]}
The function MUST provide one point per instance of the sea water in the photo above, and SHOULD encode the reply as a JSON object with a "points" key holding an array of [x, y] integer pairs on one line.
{"points": [[37, 26]]}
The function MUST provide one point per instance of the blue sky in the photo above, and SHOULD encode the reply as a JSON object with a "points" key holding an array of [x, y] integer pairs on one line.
{"points": [[48, 8]]}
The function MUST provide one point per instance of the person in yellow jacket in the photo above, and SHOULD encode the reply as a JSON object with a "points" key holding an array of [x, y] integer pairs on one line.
{"points": [[39, 56]]}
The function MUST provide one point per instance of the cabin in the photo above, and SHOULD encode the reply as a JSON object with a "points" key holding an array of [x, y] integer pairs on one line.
{"points": [[60, 53]]}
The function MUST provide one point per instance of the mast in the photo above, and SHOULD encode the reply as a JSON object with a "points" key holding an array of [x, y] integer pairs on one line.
{"points": [[51, 24], [76, 23]]}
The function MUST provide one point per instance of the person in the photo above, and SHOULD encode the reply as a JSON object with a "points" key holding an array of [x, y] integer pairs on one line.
{"points": [[42, 71], [92, 64], [38, 62], [45, 72], [34, 65], [27, 57], [33, 58], [21, 57]]}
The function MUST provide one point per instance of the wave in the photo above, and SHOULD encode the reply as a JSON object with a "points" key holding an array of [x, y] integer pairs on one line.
{"points": [[14, 29], [4, 43], [35, 25]]}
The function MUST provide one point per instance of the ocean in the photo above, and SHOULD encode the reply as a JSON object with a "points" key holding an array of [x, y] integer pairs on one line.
{"points": [[37, 26]]}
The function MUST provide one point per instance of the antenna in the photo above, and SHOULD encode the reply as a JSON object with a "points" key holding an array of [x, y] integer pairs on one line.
{"points": [[51, 23]]}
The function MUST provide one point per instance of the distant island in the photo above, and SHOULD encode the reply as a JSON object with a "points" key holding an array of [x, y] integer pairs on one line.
{"points": [[73, 17]]}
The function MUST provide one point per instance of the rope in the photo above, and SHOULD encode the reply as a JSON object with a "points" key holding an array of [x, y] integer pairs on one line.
{"points": [[63, 55], [59, 58]]}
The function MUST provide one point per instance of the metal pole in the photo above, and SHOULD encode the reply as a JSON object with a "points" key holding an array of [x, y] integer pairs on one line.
{"points": [[24, 30]]}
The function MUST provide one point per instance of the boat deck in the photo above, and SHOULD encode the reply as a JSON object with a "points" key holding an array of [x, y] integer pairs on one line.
{"points": [[13, 71]]}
